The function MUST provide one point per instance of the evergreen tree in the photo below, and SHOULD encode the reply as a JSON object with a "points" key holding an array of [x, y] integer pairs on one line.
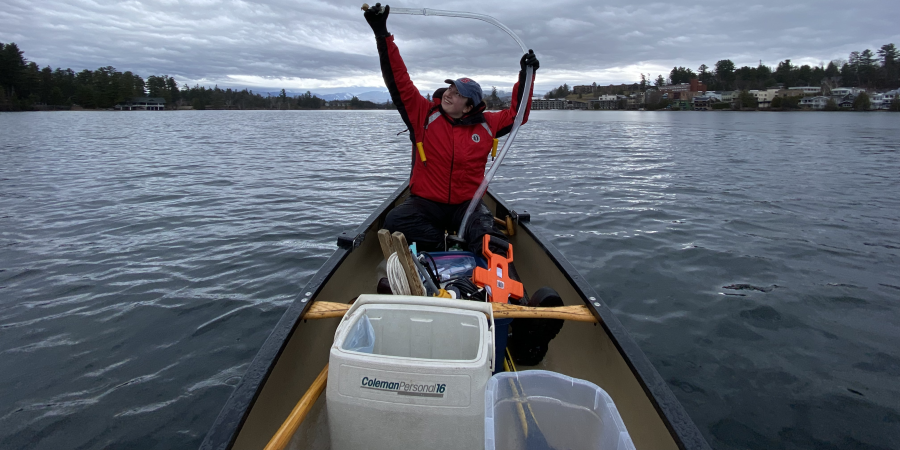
{"points": [[493, 100], [784, 73], [660, 81], [12, 64], [747, 100], [126, 87], [849, 75], [309, 101], [172, 91], [890, 57], [832, 70], [725, 73], [680, 75], [156, 86], [862, 102], [866, 70]]}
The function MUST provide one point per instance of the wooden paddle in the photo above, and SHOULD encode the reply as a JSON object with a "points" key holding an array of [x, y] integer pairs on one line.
{"points": [[283, 436]]}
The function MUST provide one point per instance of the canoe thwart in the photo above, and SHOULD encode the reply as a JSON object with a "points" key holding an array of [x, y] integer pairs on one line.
{"points": [[577, 313]]}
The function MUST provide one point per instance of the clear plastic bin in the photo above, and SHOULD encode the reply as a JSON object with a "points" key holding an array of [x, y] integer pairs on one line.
{"points": [[537, 409]]}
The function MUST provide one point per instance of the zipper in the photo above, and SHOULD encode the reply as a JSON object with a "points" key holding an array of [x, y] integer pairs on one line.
{"points": [[452, 158]]}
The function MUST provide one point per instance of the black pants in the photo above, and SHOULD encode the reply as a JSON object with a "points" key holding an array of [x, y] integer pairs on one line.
{"points": [[423, 221]]}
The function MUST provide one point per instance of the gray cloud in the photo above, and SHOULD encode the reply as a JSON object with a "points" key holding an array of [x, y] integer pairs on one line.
{"points": [[327, 44]]}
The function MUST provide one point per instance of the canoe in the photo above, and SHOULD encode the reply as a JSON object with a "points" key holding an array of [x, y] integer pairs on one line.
{"points": [[295, 353]]}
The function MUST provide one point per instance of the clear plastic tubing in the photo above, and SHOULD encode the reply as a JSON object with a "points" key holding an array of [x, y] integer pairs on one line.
{"points": [[520, 114]]}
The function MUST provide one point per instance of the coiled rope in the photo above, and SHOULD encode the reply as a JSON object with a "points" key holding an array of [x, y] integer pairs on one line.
{"points": [[397, 276]]}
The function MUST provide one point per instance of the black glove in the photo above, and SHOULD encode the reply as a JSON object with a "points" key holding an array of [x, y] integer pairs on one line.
{"points": [[529, 59], [377, 18]]}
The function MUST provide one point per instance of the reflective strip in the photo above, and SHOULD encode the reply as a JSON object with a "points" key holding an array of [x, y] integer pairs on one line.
{"points": [[432, 118], [486, 127]]}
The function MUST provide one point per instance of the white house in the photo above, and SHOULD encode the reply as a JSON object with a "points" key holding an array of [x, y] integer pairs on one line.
{"points": [[817, 102], [606, 102], [842, 92], [883, 100], [765, 97]]}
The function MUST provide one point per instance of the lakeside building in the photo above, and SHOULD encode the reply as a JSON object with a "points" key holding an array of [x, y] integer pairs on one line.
{"points": [[723, 96], [552, 103], [807, 90], [682, 105], [765, 97], [614, 89], [702, 103], [605, 102], [694, 86], [883, 100], [634, 101], [577, 104], [842, 92], [142, 104], [818, 102], [586, 89]]}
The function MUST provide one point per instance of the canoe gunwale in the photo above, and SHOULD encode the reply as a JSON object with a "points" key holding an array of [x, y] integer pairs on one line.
{"points": [[676, 419], [231, 418]]}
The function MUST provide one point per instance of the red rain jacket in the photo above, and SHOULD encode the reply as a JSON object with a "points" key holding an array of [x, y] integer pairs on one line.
{"points": [[455, 149]]}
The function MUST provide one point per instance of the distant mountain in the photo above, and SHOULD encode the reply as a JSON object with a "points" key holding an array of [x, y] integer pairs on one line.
{"points": [[335, 96], [372, 96], [375, 96]]}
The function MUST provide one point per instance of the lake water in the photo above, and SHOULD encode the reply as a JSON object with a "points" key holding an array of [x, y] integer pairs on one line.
{"points": [[144, 258]]}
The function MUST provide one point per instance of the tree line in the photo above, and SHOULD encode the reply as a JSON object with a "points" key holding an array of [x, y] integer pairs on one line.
{"points": [[24, 85], [866, 69]]}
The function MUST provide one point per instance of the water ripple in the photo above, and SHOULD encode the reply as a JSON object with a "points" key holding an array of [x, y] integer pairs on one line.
{"points": [[145, 257]]}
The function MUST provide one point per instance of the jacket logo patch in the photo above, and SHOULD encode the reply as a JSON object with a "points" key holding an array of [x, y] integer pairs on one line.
{"points": [[476, 138]]}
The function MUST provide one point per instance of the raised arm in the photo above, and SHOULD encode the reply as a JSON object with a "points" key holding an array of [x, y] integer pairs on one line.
{"points": [[502, 120], [410, 103]]}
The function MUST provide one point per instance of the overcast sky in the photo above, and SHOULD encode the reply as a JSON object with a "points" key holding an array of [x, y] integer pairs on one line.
{"points": [[317, 45]]}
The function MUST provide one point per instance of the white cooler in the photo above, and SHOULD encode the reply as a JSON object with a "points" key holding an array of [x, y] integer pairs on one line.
{"points": [[420, 384]]}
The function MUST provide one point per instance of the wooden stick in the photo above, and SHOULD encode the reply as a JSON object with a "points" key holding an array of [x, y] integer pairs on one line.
{"points": [[384, 238], [327, 310], [412, 275], [284, 434]]}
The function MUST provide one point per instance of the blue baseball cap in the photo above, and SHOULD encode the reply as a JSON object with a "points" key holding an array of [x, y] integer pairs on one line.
{"points": [[468, 88]]}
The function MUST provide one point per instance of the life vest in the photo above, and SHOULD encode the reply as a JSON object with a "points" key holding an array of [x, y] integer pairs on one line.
{"points": [[448, 154]]}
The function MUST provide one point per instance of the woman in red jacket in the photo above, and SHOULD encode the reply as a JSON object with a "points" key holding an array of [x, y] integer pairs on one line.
{"points": [[451, 137]]}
